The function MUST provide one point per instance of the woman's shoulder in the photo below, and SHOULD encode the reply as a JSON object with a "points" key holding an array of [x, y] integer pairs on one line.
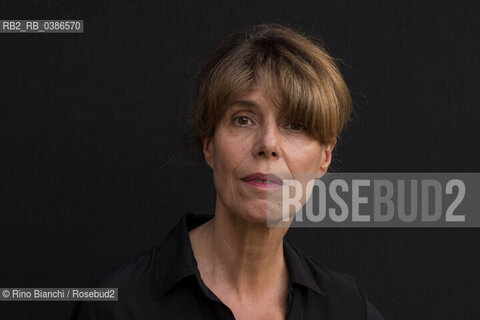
{"points": [[143, 266], [334, 285], [131, 271], [133, 280]]}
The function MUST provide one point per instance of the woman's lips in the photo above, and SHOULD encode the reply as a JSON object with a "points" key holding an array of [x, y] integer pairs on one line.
{"points": [[263, 180]]}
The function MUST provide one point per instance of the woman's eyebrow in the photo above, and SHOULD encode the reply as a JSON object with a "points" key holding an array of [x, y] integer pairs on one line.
{"points": [[245, 103]]}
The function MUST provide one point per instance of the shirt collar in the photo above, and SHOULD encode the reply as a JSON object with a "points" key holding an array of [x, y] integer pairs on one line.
{"points": [[299, 270], [174, 259]]}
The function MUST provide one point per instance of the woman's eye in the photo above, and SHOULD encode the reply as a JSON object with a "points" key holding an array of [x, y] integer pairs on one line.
{"points": [[242, 120], [296, 126]]}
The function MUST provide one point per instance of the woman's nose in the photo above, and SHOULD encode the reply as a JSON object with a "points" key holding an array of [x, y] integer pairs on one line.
{"points": [[267, 141]]}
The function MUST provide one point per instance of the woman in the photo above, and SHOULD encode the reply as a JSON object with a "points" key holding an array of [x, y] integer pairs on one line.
{"points": [[270, 106]]}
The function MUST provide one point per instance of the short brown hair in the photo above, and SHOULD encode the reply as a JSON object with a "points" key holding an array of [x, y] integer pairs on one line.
{"points": [[283, 62]]}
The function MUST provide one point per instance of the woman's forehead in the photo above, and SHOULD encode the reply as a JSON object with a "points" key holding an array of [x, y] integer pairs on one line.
{"points": [[257, 97]]}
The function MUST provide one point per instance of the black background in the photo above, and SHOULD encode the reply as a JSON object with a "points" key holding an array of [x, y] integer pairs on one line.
{"points": [[93, 171]]}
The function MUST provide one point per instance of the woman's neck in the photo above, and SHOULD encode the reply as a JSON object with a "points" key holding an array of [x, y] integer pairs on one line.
{"points": [[240, 257]]}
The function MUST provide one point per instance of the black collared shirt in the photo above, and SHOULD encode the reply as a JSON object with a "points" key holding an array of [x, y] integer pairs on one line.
{"points": [[164, 283]]}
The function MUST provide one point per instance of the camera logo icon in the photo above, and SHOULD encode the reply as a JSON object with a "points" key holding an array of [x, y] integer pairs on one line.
{"points": [[5, 293]]}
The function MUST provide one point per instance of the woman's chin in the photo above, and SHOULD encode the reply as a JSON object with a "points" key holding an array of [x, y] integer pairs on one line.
{"points": [[265, 213]]}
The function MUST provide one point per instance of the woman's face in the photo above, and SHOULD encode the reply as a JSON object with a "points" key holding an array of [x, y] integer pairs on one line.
{"points": [[250, 140]]}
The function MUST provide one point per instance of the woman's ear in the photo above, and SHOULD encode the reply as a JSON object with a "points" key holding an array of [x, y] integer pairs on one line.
{"points": [[327, 150], [208, 150]]}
